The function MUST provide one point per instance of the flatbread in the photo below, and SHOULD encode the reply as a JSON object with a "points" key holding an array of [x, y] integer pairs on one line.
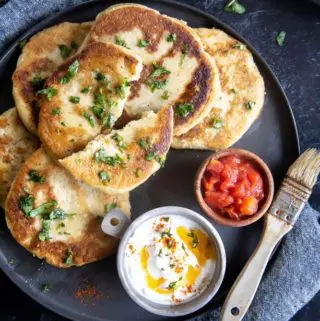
{"points": [[242, 96]]}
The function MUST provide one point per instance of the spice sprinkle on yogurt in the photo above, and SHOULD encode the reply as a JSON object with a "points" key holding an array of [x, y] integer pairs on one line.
{"points": [[170, 259]]}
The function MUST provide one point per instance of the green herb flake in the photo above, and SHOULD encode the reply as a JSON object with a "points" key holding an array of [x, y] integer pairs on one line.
{"points": [[172, 285], [99, 76], [195, 240], [150, 156], [85, 90], [74, 45], [89, 118], [104, 176], [234, 6], [46, 287], [161, 160], [101, 157], [123, 89], [22, 43], [44, 234], [233, 91], [165, 95], [142, 43], [166, 218], [74, 99], [56, 111], [72, 71], [171, 38], [159, 70], [160, 252], [121, 42], [172, 266], [69, 258], [250, 104], [121, 144], [26, 203], [217, 123], [49, 92], [34, 176], [280, 38], [185, 52], [145, 143], [43, 209], [58, 214], [239, 45], [137, 172], [157, 84], [166, 233], [108, 121], [65, 51], [37, 81], [184, 109], [109, 207]]}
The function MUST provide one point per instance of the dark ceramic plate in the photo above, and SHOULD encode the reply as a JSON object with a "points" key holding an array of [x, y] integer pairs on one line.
{"points": [[273, 137]]}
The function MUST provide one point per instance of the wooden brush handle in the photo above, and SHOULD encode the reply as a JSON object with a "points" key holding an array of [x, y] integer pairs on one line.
{"points": [[245, 286]]}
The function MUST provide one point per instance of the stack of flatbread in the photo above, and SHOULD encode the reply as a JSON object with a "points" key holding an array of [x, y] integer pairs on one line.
{"points": [[98, 105]]}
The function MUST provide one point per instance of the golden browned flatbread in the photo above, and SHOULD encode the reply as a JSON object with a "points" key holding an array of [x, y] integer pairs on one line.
{"points": [[42, 54], [177, 71], [57, 218], [89, 93], [16, 145], [241, 100], [124, 159]]}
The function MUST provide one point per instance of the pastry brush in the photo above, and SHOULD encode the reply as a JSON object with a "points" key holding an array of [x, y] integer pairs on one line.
{"points": [[287, 205]]}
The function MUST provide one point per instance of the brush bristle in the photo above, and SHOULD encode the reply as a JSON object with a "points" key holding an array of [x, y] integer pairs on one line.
{"points": [[306, 168]]}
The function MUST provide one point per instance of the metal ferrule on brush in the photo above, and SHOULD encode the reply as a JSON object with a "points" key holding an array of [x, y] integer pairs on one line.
{"points": [[290, 200]]}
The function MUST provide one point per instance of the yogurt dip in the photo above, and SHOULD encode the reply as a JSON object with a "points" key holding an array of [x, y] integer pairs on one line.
{"points": [[170, 259]]}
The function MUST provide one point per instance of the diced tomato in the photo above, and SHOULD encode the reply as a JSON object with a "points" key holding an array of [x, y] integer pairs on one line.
{"points": [[249, 205], [218, 200], [233, 185], [215, 166]]}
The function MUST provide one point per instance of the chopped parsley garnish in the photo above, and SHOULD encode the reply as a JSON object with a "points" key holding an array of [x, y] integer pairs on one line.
{"points": [[85, 90], [108, 121], [43, 209], [184, 109], [185, 53], [22, 43], [195, 240], [123, 89], [250, 104], [150, 156], [89, 118], [233, 91], [119, 141], [145, 143], [69, 258], [172, 37], [35, 176], [72, 71], [74, 45], [38, 81], [99, 76], [26, 203], [239, 45], [217, 123], [166, 218], [153, 82], [104, 176], [56, 111], [74, 99], [165, 95], [280, 38], [65, 51], [109, 207], [45, 288], [159, 70], [172, 265], [170, 244], [235, 7], [142, 43], [121, 42], [58, 214], [166, 233], [44, 234], [160, 252], [172, 285], [101, 157], [183, 247], [137, 172], [49, 92], [161, 160], [63, 123]]}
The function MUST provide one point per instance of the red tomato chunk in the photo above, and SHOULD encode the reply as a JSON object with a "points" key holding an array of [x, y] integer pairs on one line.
{"points": [[233, 186]]}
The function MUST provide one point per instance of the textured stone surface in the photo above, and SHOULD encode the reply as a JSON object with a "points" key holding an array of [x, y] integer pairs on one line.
{"points": [[297, 66]]}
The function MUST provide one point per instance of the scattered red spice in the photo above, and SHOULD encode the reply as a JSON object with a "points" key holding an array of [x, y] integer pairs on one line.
{"points": [[88, 294]]}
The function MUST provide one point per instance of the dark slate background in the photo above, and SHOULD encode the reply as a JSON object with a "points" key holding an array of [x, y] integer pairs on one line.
{"points": [[296, 64]]}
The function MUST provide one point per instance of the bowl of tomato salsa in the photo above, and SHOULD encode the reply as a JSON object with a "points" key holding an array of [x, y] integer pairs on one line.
{"points": [[234, 187]]}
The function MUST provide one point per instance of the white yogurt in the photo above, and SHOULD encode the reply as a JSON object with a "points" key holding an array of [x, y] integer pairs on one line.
{"points": [[169, 259]]}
